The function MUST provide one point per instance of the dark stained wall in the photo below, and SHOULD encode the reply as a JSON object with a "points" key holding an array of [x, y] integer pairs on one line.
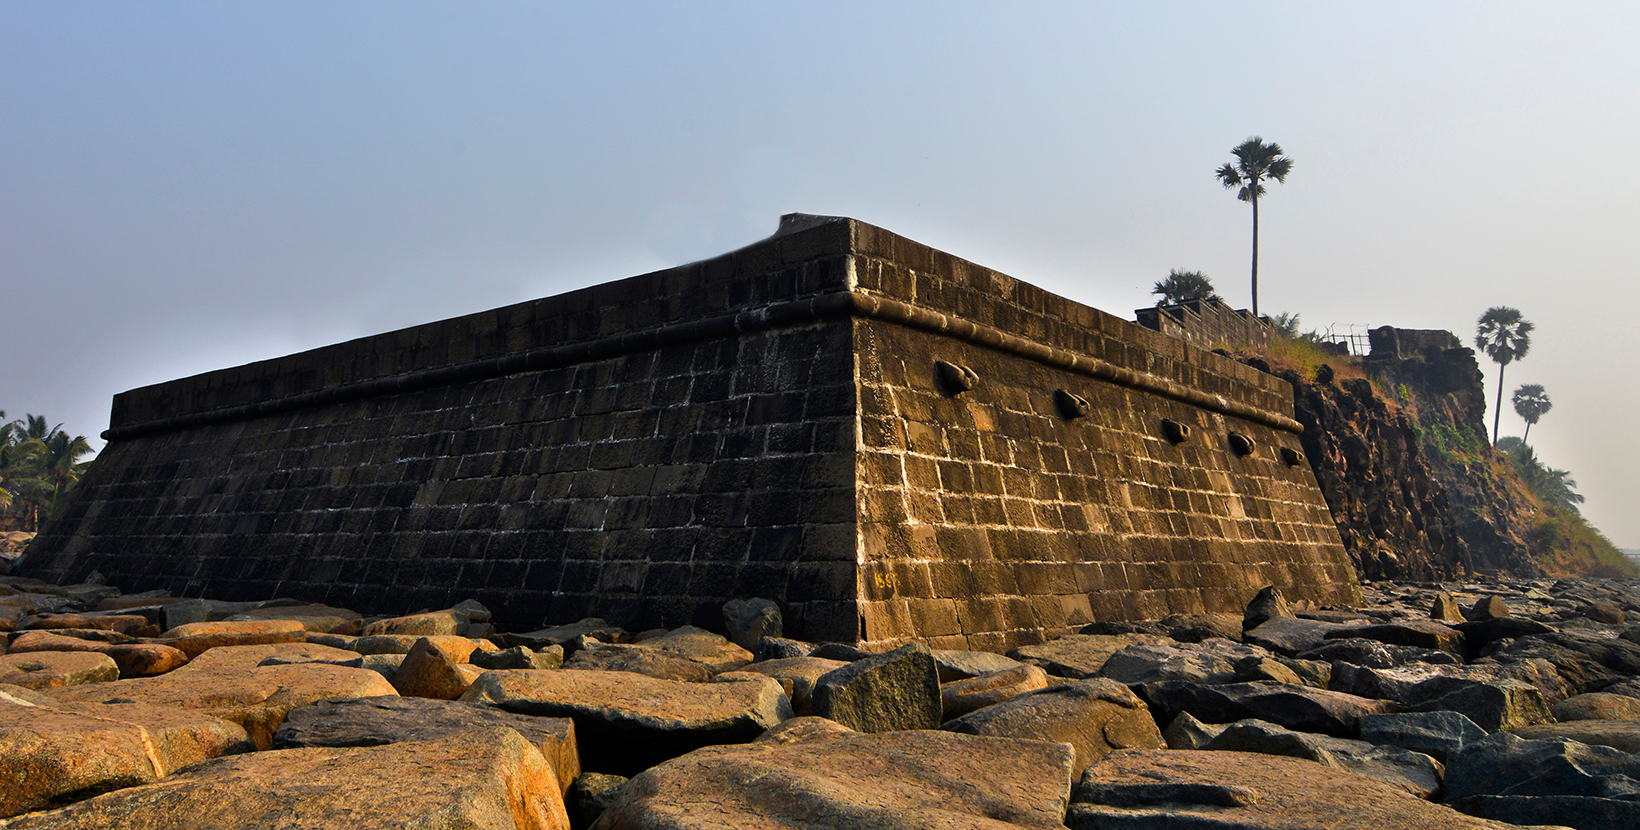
{"points": [[769, 422]]}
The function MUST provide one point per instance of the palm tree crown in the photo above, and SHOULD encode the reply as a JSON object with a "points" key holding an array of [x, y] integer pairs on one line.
{"points": [[1531, 402], [1255, 162], [1183, 286], [1505, 335], [39, 464]]}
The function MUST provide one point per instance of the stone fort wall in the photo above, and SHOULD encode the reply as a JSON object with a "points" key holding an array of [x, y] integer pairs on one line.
{"points": [[891, 441], [1209, 324]]}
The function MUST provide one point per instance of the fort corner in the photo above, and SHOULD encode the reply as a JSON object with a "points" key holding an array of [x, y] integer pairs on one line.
{"points": [[892, 442]]}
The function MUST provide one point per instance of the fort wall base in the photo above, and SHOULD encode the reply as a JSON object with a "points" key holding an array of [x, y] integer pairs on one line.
{"points": [[890, 441]]}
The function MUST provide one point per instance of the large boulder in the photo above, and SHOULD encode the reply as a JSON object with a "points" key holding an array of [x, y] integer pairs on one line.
{"points": [[374, 721], [1301, 708], [134, 625], [883, 693], [1549, 781], [459, 649], [1484, 694], [1266, 605], [1444, 608], [1414, 772], [1199, 790], [53, 752], [448, 623], [519, 657], [626, 723], [428, 672], [1425, 634], [1488, 607], [229, 683], [590, 795], [1436, 734], [1142, 663], [1588, 661], [194, 639], [750, 620], [960, 697], [1374, 654], [954, 665], [638, 659], [1617, 734], [797, 675], [1590, 706], [134, 659], [317, 618], [55, 669], [1194, 628], [713, 651], [1492, 705], [1081, 655], [1185, 732], [1478, 634], [1096, 717], [822, 775], [564, 635], [1290, 635], [490, 779]]}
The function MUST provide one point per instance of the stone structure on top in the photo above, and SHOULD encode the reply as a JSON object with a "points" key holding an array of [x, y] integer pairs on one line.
{"points": [[890, 441], [1207, 324]]}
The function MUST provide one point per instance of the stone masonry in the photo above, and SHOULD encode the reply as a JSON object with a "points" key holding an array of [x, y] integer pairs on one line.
{"points": [[1208, 324], [890, 441]]}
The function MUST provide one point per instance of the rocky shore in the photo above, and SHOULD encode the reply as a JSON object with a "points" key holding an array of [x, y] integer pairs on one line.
{"points": [[1473, 704]]}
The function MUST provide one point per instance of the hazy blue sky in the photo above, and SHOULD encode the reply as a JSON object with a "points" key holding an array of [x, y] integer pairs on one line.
{"points": [[188, 186]]}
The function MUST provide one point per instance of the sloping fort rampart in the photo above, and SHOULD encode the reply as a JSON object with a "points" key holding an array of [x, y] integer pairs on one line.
{"points": [[892, 442]]}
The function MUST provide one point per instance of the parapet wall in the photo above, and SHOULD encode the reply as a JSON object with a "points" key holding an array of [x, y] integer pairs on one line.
{"points": [[1207, 324], [791, 420]]}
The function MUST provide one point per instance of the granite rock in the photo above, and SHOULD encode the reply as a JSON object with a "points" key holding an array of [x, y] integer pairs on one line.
{"points": [[825, 776], [1096, 717]]}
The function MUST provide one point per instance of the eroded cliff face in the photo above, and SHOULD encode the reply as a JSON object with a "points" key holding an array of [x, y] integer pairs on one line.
{"points": [[1408, 474], [1491, 512]]}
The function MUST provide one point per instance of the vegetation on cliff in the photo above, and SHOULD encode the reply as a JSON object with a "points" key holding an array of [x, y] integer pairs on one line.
{"points": [[1400, 449]]}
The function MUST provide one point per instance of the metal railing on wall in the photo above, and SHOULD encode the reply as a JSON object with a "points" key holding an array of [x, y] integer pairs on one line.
{"points": [[1352, 335]]}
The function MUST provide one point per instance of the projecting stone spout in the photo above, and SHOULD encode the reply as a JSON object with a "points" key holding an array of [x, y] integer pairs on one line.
{"points": [[955, 379], [1071, 405], [800, 419], [1175, 432]]}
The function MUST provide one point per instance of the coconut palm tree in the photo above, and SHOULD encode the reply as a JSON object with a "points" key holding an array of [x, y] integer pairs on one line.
{"points": [[38, 466], [60, 465], [1505, 336], [1183, 286], [1531, 402], [1255, 162]]}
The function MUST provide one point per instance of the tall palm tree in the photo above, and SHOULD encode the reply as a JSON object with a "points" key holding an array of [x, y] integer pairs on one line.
{"points": [[1531, 402], [1505, 336], [1255, 162]]}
